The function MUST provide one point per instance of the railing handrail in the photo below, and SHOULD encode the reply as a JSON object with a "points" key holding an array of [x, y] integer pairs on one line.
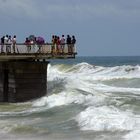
{"points": [[45, 48], [35, 43]]}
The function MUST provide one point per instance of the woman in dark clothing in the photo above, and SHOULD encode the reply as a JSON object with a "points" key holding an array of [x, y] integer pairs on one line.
{"points": [[2, 44], [73, 41], [68, 41]]}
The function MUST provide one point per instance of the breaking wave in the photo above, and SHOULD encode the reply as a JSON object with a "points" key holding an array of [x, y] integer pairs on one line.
{"points": [[109, 96]]}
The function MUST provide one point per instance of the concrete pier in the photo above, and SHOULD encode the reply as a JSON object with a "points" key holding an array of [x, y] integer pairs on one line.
{"points": [[23, 75], [22, 80]]}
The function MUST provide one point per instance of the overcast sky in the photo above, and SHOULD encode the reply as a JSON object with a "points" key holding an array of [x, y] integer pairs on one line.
{"points": [[101, 27]]}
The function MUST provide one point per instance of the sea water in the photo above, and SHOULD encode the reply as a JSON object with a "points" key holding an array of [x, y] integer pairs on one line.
{"points": [[89, 98]]}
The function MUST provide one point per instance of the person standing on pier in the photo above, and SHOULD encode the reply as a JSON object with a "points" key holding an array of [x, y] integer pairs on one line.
{"points": [[62, 41], [69, 44], [14, 40], [6, 42], [28, 45], [58, 45], [2, 44], [52, 44], [9, 44], [73, 41], [55, 44]]}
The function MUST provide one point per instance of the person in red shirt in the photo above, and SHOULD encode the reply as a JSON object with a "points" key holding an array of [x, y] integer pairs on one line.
{"points": [[58, 44]]}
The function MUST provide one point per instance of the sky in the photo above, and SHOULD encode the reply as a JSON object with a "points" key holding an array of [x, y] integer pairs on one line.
{"points": [[101, 27]]}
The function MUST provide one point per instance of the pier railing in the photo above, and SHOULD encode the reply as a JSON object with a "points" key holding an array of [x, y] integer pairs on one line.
{"points": [[46, 50]]}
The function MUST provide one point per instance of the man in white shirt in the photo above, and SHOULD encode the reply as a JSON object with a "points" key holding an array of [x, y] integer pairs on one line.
{"points": [[14, 40], [6, 42], [62, 42]]}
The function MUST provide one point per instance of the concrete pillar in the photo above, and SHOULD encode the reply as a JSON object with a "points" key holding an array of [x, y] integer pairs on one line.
{"points": [[22, 80]]}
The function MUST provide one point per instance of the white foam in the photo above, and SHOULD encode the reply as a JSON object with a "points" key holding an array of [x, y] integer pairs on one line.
{"points": [[105, 88], [106, 118], [52, 100], [85, 71], [60, 99], [53, 73], [84, 86], [133, 135], [80, 86]]}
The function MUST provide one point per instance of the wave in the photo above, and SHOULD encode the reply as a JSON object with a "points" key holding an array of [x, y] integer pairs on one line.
{"points": [[96, 72], [134, 135], [107, 119], [102, 90], [106, 93], [67, 83]]}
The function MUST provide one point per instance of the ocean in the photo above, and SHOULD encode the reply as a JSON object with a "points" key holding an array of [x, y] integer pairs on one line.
{"points": [[89, 98]]}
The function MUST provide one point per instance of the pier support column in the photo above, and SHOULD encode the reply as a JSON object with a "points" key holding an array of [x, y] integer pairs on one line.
{"points": [[21, 81]]}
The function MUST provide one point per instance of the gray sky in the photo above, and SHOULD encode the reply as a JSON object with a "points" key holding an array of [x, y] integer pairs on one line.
{"points": [[101, 27]]}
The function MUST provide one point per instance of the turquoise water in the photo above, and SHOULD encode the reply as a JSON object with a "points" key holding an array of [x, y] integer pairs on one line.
{"points": [[89, 98]]}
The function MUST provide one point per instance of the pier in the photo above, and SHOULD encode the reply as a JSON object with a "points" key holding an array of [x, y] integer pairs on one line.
{"points": [[23, 73]]}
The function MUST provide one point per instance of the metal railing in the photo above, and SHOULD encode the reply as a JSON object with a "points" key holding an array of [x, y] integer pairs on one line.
{"points": [[48, 48]]}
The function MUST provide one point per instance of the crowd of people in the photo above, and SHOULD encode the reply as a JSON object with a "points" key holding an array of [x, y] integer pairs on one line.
{"points": [[9, 43], [58, 43]]}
